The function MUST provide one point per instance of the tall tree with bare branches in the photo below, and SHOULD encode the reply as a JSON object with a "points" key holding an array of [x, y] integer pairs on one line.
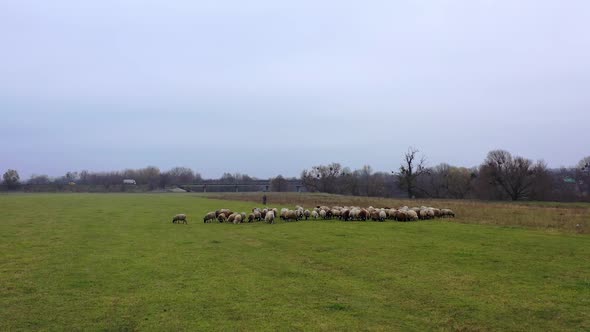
{"points": [[410, 170]]}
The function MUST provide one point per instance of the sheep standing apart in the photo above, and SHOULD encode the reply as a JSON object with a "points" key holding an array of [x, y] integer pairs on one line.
{"points": [[179, 218], [209, 216], [270, 217]]}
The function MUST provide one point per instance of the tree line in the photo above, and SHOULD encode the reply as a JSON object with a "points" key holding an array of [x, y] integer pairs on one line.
{"points": [[501, 176]]}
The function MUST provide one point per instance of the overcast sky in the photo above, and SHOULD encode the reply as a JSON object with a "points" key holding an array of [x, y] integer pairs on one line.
{"points": [[273, 87]]}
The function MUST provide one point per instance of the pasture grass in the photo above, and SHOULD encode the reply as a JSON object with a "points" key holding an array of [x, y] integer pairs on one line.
{"points": [[116, 262], [548, 216]]}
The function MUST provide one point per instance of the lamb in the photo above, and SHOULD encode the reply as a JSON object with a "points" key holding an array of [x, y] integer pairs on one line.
{"points": [[178, 218], [209, 216], [270, 217]]}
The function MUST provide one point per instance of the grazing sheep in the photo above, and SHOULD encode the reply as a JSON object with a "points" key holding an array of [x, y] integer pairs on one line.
{"points": [[251, 217], [209, 216], [270, 217], [221, 218], [243, 214], [400, 215], [299, 213], [345, 215], [391, 213], [179, 218], [257, 215], [411, 215], [291, 215], [314, 215], [232, 217], [227, 212], [283, 213], [323, 214], [382, 215], [307, 214], [437, 212], [444, 213], [237, 219]]}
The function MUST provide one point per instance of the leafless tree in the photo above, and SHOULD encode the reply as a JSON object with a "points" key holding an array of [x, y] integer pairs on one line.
{"points": [[322, 178], [514, 176], [11, 179], [181, 175], [279, 183], [410, 170], [39, 180]]}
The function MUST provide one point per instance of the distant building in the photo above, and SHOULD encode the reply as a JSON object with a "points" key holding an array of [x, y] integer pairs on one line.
{"points": [[129, 181]]}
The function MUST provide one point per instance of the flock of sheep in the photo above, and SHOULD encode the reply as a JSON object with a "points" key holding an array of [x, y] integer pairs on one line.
{"points": [[344, 213]]}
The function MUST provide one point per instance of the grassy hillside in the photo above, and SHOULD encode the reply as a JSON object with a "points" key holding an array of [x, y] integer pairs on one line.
{"points": [[116, 262]]}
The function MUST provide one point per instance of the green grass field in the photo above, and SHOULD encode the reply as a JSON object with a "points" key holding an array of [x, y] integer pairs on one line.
{"points": [[116, 262]]}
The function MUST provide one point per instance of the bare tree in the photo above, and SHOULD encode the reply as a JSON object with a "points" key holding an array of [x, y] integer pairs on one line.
{"points": [[583, 176], [11, 179], [39, 180], [181, 175], [410, 170], [279, 183], [322, 178], [514, 176]]}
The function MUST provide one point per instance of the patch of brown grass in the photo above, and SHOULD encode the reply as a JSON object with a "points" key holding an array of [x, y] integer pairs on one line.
{"points": [[552, 216]]}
